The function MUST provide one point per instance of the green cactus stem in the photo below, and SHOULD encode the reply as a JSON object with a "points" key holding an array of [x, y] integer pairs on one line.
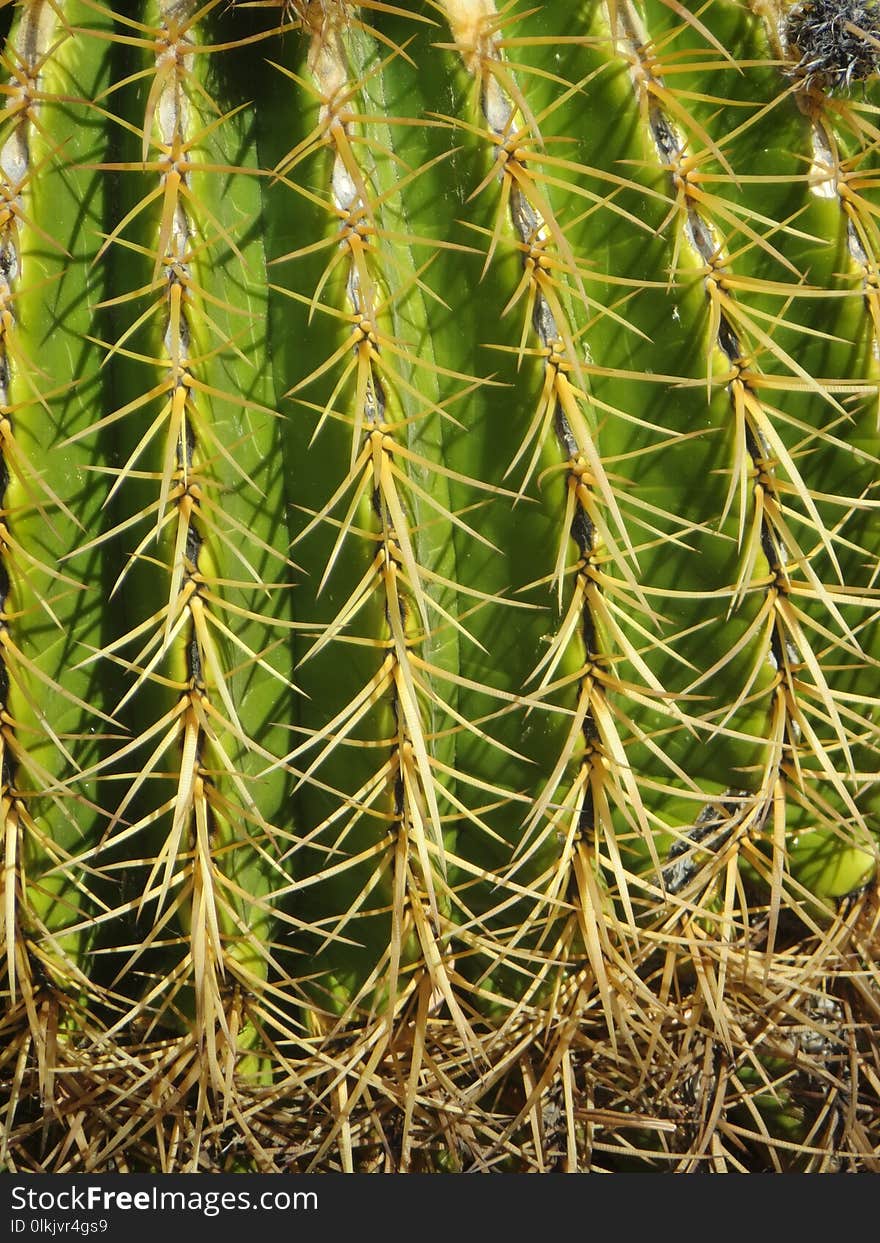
{"points": [[439, 543]]}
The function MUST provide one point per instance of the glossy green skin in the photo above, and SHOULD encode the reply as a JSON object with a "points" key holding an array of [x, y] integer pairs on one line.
{"points": [[674, 443], [239, 533], [53, 610], [656, 406], [470, 443]]}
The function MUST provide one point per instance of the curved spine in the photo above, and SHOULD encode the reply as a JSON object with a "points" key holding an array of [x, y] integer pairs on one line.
{"points": [[50, 210]]}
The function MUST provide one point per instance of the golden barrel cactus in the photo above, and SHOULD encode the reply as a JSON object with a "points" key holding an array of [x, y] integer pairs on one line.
{"points": [[440, 559]]}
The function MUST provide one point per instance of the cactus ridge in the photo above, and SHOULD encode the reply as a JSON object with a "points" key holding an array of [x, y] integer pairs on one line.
{"points": [[439, 575]]}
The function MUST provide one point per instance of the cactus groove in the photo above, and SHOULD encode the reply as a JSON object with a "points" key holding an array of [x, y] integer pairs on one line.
{"points": [[439, 572]]}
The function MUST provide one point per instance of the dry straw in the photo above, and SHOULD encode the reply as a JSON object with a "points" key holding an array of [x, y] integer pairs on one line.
{"points": [[439, 563]]}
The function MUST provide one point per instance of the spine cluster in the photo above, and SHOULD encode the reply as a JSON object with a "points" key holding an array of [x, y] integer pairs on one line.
{"points": [[438, 583], [771, 497]]}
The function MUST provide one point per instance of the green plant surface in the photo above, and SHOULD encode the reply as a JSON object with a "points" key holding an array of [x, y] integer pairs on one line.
{"points": [[442, 731], [48, 374], [198, 539]]}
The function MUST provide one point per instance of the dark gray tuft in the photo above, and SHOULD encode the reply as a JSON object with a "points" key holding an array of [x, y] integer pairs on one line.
{"points": [[838, 41]]}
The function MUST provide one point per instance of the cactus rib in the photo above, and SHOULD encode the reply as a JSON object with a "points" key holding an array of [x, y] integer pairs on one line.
{"points": [[439, 449]]}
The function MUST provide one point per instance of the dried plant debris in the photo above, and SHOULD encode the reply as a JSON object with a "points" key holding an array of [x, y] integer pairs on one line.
{"points": [[838, 41], [439, 586]]}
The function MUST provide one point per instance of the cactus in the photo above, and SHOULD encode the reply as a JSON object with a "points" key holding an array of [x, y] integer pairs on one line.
{"points": [[439, 653]]}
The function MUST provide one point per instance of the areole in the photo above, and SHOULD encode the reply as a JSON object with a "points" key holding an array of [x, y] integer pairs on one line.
{"points": [[439, 565]]}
